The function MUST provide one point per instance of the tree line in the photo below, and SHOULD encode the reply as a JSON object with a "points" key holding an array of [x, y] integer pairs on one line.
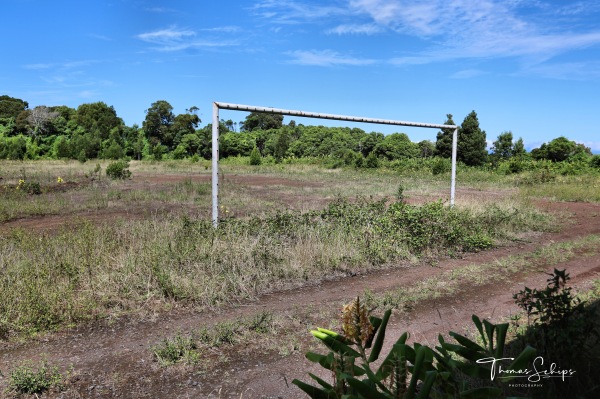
{"points": [[94, 130]]}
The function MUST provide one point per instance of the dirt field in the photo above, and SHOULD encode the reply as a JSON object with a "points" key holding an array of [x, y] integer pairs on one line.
{"points": [[111, 359]]}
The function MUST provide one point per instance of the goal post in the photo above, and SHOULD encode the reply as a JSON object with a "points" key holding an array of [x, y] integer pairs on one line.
{"points": [[250, 108]]}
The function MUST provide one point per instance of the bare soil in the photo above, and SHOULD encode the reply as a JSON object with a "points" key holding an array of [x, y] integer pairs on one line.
{"points": [[111, 359]]}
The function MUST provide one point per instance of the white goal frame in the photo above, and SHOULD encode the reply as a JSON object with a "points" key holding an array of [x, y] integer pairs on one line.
{"points": [[251, 108]]}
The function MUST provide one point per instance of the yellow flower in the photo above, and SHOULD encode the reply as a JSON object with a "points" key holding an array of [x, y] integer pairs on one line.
{"points": [[59, 179]]}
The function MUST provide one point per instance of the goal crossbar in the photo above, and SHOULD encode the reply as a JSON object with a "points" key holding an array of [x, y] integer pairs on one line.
{"points": [[305, 114]]}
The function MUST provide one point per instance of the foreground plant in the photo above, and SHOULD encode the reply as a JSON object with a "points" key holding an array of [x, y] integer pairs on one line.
{"points": [[417, 371], [28, 379]]}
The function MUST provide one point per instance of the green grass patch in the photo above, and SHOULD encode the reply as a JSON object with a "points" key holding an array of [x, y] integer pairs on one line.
{"points": [[87, 271]]}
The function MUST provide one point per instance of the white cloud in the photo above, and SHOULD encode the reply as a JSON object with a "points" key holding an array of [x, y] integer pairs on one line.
{"points": [[326, 58], [293, 12], [474, 29], [175, 39], [364, 29]]}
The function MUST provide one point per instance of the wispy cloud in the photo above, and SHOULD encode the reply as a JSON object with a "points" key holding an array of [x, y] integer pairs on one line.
{"points": [[474, 29], [224, 29], [362, 29], [175, 39], [293, 12], [326, 58]]}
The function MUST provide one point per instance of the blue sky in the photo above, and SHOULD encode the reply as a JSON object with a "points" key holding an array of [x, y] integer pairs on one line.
{"points": [[528, 66]]}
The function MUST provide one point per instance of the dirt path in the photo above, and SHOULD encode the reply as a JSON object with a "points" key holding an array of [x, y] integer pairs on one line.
{"points": [[113, 360]]}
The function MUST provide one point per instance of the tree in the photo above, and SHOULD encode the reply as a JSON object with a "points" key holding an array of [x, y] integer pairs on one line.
{"points": [[426, 148], [281, 144], [262, 121], [39, 118], [397, 146], [560, 149], [502, 148], [519, 148], [158, 122], [471, 142], [255, 157], [443, 144], [184, 124], [98, 119], [11, 107]]}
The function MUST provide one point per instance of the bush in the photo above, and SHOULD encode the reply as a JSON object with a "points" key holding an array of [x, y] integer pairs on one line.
{"points": [[441, 166], [255, 157], [24, 379], [118, 170], [371, 161]]}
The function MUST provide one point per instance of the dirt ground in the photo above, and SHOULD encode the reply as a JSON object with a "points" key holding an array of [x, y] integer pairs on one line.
{"points": [[112, 359]]}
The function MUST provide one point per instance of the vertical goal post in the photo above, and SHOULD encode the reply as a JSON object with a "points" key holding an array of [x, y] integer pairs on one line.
{"points": [[250, 108]]}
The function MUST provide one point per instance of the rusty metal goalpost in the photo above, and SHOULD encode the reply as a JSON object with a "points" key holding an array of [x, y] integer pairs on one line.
{"points": [[250, 108]]}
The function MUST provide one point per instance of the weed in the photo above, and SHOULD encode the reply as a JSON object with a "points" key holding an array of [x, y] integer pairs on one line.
{"points": [[179, 348], [29, 379], [118, 170]]}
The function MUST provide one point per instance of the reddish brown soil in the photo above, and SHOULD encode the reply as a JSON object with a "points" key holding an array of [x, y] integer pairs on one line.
{"points": [[114, 361]]}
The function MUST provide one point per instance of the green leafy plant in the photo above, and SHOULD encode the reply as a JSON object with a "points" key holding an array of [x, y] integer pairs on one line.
{"points": [[171, 351], [118, 170], [564, 330], [417, 371], [255, 157], [29, 187], [28, 379]]}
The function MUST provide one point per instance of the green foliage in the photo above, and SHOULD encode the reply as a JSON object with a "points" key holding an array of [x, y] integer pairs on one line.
{"points": [[118, 170], [27, 379], [471, 148], [371, 161], [417, 371], [11, 107], [443, 144], [262, 121], [98, 119], [441, 165], [560, 149], [397, 146], [558, 315], [29, 187], [255, 157], [564, 330], [171, 351]]}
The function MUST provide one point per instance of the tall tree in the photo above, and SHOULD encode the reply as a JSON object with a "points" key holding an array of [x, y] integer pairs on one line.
{"points": [[443, 144], [519, 148], [98, 118], [502, 148], [471, 142], [184, 124], [158, 122], [262, 121], [11, 107]]}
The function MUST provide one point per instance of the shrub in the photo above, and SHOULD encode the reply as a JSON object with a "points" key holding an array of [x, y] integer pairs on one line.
{"points": [[255, 157], [29, 187], [118, 170], [441, 166], [371, 161], [25, 379]]}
